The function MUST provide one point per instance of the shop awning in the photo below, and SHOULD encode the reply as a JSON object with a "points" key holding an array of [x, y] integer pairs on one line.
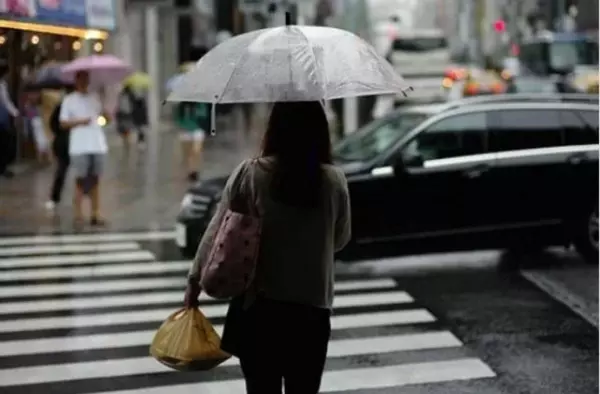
{"points": [[89, 34]]}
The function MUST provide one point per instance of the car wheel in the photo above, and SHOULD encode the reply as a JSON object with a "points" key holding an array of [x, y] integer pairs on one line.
{"points": [[586, 236]]}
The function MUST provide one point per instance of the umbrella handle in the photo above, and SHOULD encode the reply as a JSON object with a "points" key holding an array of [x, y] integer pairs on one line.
{"points": [[213, 118]]}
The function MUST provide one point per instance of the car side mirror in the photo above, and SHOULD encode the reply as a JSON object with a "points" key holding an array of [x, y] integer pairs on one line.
{"points": [[411, 161]]}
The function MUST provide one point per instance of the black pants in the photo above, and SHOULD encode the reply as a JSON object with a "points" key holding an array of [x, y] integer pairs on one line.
{"points": [[8, 147], [61, 152], [284, 342]]}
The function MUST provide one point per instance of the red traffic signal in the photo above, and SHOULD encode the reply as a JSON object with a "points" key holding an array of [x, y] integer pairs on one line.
{"points": [[500, 26]]}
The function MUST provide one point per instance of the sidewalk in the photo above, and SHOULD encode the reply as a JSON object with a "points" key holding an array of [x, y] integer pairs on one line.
{"points": [[139, 192]]}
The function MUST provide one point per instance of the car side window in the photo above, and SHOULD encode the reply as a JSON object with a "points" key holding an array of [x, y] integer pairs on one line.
{"points": [[460, 135], [512, 130], [579, 129]]}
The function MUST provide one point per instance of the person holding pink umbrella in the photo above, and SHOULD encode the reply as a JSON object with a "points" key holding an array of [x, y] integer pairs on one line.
{"points": [[82, 112]]}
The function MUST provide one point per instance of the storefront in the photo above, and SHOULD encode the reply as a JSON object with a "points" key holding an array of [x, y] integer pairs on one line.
{"points": [[35, 31]]}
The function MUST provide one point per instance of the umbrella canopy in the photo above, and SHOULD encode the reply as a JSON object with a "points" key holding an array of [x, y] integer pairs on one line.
{"points": [[173, 81], [103, 69], [138, 80], [289, 63], [48, 77]]}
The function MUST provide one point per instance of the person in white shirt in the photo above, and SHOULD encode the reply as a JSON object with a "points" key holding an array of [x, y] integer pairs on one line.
{"points": [[80, 113]]}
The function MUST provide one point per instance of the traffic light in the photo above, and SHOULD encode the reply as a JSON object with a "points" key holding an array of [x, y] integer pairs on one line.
{"points": [[500, 26]]}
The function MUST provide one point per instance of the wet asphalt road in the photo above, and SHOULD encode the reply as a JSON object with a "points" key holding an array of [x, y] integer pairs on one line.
{"points": [[474, 323]]}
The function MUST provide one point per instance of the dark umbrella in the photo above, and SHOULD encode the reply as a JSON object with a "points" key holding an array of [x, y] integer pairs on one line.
{"points": [[48, 77], [47, 84]]}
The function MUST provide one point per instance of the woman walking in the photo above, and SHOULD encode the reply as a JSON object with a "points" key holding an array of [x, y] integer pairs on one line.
{"points": [[282, 337]]}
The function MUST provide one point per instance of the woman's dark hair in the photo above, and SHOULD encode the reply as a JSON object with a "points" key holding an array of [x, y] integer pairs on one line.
{"points": [[297, 137]]}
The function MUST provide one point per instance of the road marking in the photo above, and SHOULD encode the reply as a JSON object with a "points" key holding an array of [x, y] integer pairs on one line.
{"points": [[138, 338], [68, 248], [157, 315], [153, 267], [147, 365], [153, 284], [20, 262], [563, 295], [85, 238]]}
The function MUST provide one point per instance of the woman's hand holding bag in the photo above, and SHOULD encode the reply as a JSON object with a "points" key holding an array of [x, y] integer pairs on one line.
{"points": [[192, 292]]}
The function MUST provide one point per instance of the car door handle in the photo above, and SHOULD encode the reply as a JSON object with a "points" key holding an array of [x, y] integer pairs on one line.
{"points": [[577, 158], [477, 170]]}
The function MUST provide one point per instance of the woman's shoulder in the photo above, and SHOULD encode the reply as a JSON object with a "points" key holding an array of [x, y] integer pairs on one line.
{"points": [[334, 173]]}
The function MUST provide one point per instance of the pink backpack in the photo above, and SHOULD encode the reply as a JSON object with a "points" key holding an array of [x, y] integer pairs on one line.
{"points": [[231, 265]]}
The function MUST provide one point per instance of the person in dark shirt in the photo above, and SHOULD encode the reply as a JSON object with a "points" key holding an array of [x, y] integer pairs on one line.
{"points": [[60, 149]]}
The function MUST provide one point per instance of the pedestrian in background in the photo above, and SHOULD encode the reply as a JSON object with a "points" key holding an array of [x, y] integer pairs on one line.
{"points": [[132, 115], [60, 148], [8, 113], [80, 113], [305, 209], [35, 124], [192, 119]]}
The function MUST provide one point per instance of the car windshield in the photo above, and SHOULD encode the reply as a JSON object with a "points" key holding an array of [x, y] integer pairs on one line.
{"points": [[419, 44], [567, 54], [534, 86], [377, 137]]}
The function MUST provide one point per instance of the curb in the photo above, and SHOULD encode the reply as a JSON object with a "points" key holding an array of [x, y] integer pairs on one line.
{"points": [[562, 295]]}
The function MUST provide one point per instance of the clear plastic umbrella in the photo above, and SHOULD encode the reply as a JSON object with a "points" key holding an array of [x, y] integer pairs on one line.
{"points": [[289, 63]]}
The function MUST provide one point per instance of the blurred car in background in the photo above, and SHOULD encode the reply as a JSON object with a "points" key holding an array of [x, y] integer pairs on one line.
{"points": [[530, 84], [483, 172], [482, 82]]}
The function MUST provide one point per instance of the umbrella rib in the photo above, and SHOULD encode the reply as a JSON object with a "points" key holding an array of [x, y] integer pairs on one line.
{"points": [[240, 59], [312, 50]]}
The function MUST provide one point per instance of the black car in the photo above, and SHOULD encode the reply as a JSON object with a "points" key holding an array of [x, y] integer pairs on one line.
{"points": [[500, 174]]}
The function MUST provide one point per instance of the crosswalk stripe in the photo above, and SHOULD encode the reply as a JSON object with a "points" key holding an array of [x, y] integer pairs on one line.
{"points": [[74, 314], [85, 238], [350, 379], [67, 248], [153, 267], [20, 262], [157, 315], [136, 338], [153, 284], [145, 365], [162, 297]]}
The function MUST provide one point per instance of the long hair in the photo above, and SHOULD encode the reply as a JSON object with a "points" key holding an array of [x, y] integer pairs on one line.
{"points": [[297, 136]]}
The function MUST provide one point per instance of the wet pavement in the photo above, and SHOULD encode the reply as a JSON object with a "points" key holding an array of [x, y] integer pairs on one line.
{"points": [[78, 311], [77, 314], [140, 191]]}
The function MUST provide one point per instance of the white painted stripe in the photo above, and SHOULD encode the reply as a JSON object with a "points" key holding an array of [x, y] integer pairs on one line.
{"points": [[162, 297], [67, 248], [134, 316], [92, 287], [152, 267], [20, 262], [152, 285], [138, 338], [351, 379], [146, 365], [83, 238], [347, 379]]}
